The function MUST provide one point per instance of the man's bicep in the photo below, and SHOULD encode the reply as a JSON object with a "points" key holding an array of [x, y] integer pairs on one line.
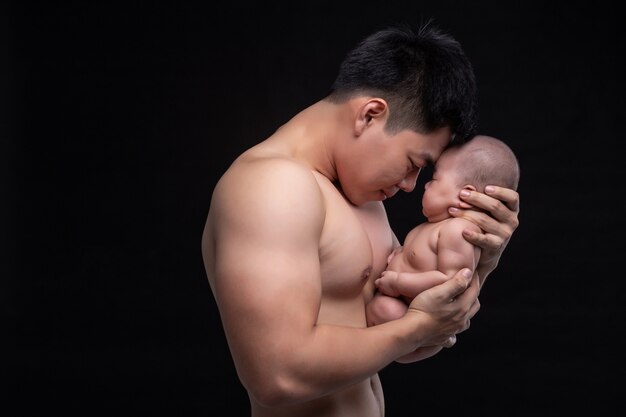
{"points": [[267, 266], [266, 261]]}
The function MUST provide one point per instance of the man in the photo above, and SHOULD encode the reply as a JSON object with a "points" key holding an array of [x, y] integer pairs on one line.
{"points": [[297, 231]]}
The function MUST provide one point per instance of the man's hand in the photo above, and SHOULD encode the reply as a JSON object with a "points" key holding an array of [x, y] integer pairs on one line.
{"points": [[449, 306], [497, 218]]}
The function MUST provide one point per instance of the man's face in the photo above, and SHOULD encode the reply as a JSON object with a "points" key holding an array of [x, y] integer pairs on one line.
{"points": [[379, 164]]}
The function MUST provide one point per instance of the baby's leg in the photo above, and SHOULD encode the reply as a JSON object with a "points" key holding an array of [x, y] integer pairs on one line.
{"points": [[383, 308]]}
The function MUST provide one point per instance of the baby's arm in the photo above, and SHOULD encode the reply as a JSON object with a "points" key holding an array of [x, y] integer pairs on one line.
{"points": [[407, 284], [453, 251]]}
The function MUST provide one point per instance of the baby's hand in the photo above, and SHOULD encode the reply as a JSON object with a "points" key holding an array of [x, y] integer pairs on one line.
{"points": [[386, 284]]}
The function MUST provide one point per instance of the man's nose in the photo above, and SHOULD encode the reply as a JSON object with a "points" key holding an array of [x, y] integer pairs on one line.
{"points": [[408, 183]]}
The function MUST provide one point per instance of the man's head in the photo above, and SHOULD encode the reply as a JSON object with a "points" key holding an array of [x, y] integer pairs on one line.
{"points": [[423, 76]]}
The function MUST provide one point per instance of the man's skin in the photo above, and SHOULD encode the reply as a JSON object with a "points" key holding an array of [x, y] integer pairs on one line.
{"points": [[291, 259]]}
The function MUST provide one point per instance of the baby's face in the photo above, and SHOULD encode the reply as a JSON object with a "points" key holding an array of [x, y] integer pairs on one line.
{"points": [[442, 191]]}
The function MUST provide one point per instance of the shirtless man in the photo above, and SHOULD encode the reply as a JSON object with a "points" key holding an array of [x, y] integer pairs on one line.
{"points": [[297, 230]]}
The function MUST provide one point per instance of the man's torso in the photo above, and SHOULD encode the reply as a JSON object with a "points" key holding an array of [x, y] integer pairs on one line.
{"points": [[353, 249]]}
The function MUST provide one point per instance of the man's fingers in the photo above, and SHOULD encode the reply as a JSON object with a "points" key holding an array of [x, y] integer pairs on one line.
{"points": [[485, 241], [501, 203], [450, 342], [460, 282], [509, 197], [495, 235]]}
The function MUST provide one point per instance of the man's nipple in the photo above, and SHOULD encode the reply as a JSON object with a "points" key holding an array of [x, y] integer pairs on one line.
{"points": [[366, 273]]}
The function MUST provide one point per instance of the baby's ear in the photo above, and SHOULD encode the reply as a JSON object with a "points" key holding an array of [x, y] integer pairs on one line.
{"points": [[463, 204], [469, 187]]}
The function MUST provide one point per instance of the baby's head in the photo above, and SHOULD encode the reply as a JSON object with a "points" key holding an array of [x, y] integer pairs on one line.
{"points": [[485, 160], [482, 161]]}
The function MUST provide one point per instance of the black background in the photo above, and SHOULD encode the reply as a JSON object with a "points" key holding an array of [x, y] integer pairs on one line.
{"points": [[117, 120]]}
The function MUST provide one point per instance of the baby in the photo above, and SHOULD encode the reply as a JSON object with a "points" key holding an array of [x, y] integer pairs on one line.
{"points": [[438, 244]]}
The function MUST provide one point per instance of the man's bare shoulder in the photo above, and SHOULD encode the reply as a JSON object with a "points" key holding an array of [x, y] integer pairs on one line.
{"points": [[265, 185], [267, 172]]}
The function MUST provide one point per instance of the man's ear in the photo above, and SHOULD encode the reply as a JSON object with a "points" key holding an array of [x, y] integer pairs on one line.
{"points": [[374, 109]]}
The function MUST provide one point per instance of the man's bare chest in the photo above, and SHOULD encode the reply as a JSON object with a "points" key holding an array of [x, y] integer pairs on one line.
{"points": [[354, 245]]}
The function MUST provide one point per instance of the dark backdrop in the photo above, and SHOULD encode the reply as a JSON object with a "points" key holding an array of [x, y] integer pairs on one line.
{"points": [[118, 120]]}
